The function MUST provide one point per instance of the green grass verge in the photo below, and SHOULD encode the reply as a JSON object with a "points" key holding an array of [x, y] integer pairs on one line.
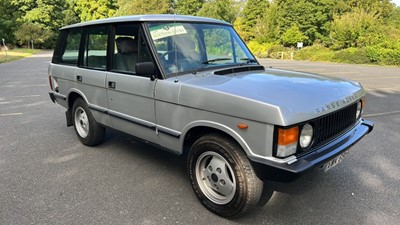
{"points": [[16, 54]]}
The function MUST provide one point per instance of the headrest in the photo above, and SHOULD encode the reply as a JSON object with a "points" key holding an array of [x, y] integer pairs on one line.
{"points": [[126, 45]]}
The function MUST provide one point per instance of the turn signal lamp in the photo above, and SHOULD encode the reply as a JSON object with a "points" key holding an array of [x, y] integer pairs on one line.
{"points": [[287, 141]]}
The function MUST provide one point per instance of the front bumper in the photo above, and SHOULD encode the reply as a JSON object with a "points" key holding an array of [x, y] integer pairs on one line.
{"points": [[285, 172]]}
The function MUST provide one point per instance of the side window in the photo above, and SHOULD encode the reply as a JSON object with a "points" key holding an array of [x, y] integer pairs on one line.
{"points": [[126, 47], [130, 48], [71, 47], [95, 50]]}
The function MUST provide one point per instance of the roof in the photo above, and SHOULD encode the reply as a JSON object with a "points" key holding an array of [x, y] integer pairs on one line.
{"points": [[149, 18]]}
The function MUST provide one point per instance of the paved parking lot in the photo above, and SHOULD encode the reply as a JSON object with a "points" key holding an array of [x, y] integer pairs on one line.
{"points": [[48, 177]]}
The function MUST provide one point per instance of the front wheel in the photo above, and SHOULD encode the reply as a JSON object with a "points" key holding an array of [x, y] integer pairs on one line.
{"points": [[88, 130], [222, 176]]}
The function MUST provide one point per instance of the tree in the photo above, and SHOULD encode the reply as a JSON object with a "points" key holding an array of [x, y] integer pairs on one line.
{"points": [[267, 28], [356, 29], [35, 32], [188, 7], [252, 12], [95, 9], [292, 36], [8, 24], [45, 12], [137, 7], [312, 16], [220, 9]]}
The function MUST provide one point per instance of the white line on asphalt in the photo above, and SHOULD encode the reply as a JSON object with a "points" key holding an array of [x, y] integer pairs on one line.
{"points": [[344, 72], [372, 78], [381, 114], [25, 86], [11, 114], [27, 96]]}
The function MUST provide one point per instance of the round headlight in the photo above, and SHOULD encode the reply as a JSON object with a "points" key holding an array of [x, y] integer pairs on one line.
{"points": [[306, 135], [359, 109]]}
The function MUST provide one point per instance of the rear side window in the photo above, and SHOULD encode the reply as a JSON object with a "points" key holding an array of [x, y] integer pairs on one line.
{"points": [[71, 50], [95, 50]]}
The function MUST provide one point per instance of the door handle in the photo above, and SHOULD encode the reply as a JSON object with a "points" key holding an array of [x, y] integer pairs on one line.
{"points": [[79, 78], [111, 84]]}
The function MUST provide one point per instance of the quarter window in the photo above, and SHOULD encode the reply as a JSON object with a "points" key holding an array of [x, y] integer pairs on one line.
{"points": [[71, 51]]}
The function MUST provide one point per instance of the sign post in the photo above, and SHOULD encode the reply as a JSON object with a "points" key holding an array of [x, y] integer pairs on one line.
{"points": [[5, 47]]}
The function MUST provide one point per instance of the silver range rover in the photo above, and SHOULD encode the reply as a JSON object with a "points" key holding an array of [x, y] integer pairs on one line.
{"points": [[191, 86]]}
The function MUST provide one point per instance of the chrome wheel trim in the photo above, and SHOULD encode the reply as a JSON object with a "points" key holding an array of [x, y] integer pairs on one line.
{"points": [[81, 122], [215, 178]]}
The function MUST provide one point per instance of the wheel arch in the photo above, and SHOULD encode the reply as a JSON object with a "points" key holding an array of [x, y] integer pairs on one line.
{"points": [[200, 128], [73, 94]]}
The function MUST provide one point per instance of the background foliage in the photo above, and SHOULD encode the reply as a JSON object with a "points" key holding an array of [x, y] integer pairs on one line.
{"points": [[354, 31]]}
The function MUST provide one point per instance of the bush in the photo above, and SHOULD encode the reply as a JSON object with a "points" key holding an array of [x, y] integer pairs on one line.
{"points": [[352, 55], [384, 56], [316, 52], [258, 49]]}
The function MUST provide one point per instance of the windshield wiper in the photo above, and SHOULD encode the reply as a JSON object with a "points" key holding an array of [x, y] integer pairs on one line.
{"points": [[249, 60], [215, 60], [205, 63]]}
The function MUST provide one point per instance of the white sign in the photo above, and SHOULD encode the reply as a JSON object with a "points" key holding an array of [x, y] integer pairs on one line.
{"points": [[167, 31], [299, 44]]}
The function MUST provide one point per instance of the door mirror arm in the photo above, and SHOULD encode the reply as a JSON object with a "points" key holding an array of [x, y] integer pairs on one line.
{"points": [[147, 69]]}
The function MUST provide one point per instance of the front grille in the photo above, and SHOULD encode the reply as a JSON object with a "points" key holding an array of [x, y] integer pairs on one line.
{"points": [[332, 125]]}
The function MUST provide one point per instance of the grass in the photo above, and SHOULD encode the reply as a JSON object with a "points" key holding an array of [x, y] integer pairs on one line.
{"points": [[16, 54]]}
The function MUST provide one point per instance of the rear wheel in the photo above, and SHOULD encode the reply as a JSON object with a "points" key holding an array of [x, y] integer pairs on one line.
{"points": [[88, 130], [222, 176]]}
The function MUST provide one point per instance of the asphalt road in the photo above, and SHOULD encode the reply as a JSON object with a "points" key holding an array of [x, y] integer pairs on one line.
{"points": [[48, 177]]}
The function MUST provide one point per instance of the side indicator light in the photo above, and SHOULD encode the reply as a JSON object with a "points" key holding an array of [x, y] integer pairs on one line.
{"points": [[242, 126]]}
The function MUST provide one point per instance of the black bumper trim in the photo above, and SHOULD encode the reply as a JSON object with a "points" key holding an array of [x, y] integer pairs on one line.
{"points": [[285, 172]]}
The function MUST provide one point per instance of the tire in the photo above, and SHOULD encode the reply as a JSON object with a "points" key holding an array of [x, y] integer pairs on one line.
{"points": [[89, 132], [222, 176]]}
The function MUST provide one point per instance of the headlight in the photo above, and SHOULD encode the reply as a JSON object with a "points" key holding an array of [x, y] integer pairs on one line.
{"points": [[359, 109], [306, 135]]}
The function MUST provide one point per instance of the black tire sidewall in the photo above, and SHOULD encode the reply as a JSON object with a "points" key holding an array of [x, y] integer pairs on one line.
{"points": [[238, 161], [95, 133]]}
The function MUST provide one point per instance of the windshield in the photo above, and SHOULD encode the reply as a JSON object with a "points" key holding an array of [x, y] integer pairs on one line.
{"points": [[190, 47]]}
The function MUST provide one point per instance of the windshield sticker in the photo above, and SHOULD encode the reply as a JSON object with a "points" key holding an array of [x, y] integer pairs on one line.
{"points": [[167, 30]]}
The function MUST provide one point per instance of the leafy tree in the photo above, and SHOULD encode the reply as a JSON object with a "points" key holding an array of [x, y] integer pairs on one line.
{"points": [[70, 16], [137, 7], [45, 12], [383, 8], [188, 7], [220, 9], [267, 28], [356, 29], [252, 12], [292, 36], [35, 32], [8, 23], [312, 16], [95, 9]]}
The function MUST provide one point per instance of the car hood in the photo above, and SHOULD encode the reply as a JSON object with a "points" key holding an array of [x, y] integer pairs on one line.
{"points": [[273, 96]]}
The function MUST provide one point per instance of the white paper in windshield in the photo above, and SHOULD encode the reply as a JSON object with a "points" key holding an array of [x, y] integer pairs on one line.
{"points": [[167, 30]]}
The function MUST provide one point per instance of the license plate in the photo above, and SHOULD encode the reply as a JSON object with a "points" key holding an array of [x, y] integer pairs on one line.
{"points": [[327, 166]]}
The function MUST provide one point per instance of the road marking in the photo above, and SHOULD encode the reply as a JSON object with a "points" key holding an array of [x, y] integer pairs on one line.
{"points": [[11, 114], [349, 72], [381, 114], [27, 96], [382, 88], [372, 78], [25, 86]]}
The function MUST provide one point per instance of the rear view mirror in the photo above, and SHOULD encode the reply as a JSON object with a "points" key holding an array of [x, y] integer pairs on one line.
{"points": [[146, 69]]}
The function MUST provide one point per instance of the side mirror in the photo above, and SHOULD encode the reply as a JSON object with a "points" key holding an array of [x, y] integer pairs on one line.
{"points": [[146, 69]]}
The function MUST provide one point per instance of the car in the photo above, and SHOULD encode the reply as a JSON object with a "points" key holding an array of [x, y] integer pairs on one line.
{"points": [[191, 86]]}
